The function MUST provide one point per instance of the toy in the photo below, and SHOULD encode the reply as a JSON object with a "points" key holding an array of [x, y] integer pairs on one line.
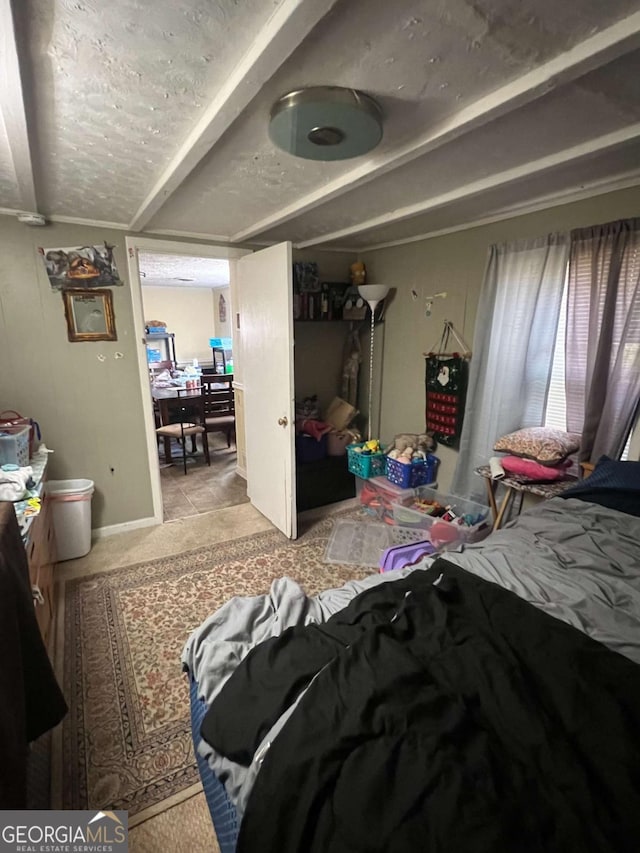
{"points": [[371, 446], [308, 408], [420, 444], [357, 273]]}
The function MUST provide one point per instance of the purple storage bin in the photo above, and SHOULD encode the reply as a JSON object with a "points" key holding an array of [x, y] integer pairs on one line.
{"points": [[399, 556]]}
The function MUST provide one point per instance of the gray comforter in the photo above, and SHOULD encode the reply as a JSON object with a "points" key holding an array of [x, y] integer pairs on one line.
{"points": [[577, 561]]}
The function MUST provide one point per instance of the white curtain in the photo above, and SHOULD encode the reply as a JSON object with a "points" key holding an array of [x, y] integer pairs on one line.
{"points": [[603, 336], [513, 347]]}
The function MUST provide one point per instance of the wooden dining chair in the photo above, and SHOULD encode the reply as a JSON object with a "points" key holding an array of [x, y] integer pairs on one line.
{"points": [[190, 421], [219, 404]]}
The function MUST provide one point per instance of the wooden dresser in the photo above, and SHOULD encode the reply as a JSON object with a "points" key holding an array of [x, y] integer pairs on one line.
{"points": [[31, 700], [40, 545], [41, 556]]}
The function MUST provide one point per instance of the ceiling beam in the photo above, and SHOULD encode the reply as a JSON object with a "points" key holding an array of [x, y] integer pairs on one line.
{"points": [[289, 25], [590, 189], [12, 110], [528, 170], [588, 55]]}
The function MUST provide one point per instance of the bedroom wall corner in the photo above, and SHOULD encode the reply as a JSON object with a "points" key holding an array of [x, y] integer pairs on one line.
{"points": [[89, 409], [454, 263]]}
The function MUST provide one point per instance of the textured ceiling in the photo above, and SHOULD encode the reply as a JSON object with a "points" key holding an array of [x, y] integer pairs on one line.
{"points": [[164, 270], [154, 117]]}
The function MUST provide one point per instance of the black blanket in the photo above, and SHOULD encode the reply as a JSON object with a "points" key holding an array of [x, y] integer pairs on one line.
{"points": [[447, 715]]}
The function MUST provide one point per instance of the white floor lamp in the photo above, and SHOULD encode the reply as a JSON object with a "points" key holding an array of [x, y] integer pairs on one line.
{"points": [[372, 295]]}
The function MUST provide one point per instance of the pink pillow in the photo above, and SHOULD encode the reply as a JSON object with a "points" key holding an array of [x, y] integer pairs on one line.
{"points": [[534, 470]]}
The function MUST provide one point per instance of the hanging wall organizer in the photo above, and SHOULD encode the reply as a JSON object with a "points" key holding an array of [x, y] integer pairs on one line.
{"points": [[446, 380]]}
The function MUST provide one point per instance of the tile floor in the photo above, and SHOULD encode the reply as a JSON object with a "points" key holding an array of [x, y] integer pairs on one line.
{"points": [[203, 488]]}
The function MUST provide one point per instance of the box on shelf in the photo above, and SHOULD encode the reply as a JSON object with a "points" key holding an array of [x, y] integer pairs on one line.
{"points": [[419, 472], [442, 532], [14, 445], [377, 496], [153, 355], [340, 413], [365, 465], [11, 418], [225, 343]]}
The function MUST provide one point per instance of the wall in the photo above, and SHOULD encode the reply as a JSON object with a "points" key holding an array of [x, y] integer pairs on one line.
{"points": [[454, 263], [89, 410], [222, 329], [189, 313]]}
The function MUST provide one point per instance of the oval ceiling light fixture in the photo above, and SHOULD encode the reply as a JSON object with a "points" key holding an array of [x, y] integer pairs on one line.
{"points": [[326, 123]]}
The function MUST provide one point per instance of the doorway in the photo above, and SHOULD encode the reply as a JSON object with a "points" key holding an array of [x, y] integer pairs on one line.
{"points": [[182, 296]]}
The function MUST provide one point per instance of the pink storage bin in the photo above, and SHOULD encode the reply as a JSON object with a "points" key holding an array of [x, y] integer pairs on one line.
{"points": [[377, 496]]}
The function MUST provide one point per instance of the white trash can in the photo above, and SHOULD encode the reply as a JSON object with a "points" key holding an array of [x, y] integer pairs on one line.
{"points": [[71, 512]]}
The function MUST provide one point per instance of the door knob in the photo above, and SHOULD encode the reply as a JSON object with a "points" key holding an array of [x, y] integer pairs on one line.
{"points": [[283, 421]]}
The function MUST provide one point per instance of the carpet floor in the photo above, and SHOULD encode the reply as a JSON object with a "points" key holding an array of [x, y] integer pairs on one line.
{"points": [[183, 828], [126, 740]]}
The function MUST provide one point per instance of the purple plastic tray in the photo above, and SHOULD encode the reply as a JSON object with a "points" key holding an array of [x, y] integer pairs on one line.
{"points": [[399, 556]]}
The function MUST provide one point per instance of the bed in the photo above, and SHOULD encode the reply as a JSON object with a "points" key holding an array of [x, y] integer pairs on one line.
{"points": [[489, 700]]}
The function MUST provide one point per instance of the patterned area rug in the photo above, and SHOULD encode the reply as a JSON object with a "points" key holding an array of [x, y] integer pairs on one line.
{"points": [[126, 739]]}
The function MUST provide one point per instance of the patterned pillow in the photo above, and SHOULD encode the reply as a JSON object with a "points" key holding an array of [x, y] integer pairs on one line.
{"points": [[547, 446]]}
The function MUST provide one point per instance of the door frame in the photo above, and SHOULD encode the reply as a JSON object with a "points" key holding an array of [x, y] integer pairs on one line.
{"points": [[169, 247]]}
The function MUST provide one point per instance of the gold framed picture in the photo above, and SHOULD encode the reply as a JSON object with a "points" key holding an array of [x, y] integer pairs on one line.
{"points": [[89, 315]]}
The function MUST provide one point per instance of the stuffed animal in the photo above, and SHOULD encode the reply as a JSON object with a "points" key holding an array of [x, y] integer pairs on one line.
{"points": [[418, 443], [357, 273], [308, 408]]}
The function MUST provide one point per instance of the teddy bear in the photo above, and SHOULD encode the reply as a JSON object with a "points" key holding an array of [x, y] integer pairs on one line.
{"points": [[406, 446], [357, 273]]}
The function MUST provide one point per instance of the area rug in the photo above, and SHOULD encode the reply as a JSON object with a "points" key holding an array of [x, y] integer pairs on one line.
{"points": [[126, 740]]}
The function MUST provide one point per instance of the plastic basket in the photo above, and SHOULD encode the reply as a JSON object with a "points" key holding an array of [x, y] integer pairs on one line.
{"points": [[405, 554], [418, 473], [363, 542], [406, 535], [14, 445], [365, 465], [357, 542], [444, 533], [377, 496]]}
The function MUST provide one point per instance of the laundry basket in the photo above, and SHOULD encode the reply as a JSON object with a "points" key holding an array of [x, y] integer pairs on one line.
{"points": [[70, 502]]}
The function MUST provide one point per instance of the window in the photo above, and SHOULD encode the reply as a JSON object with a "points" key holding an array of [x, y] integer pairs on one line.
{"points": [[556, 406]]}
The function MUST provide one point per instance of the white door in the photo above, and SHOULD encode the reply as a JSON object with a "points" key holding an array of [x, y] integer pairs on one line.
{"points": [[265, 296]]}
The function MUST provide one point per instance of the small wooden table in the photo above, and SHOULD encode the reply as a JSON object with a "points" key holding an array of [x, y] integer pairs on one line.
{"points": [[519, 484]]}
